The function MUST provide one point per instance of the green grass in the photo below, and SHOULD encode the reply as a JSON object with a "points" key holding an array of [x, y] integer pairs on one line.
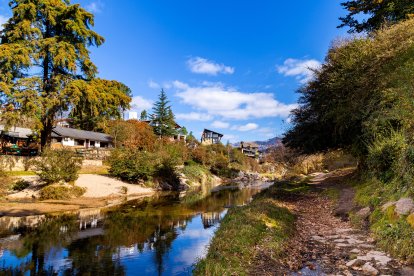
{"points": [[20, 173], [263, 222], [394, 234]]}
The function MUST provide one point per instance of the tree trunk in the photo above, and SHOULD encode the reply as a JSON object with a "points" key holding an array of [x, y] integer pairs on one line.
{"points": [[45, 133]]}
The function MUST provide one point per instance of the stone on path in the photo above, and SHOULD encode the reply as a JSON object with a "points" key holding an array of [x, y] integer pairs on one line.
{"points": [[368, 269], [404, 206]]}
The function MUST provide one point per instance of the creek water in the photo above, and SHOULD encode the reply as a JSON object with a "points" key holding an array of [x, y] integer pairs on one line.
{"points": [[160, 235]]}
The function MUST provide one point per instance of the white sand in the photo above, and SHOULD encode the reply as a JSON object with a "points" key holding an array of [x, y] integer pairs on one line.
{"points": [[104, 186], [96, 185]]}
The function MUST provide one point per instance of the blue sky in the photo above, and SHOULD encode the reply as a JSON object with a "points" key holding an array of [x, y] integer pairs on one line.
{"points": [[230, 66]]}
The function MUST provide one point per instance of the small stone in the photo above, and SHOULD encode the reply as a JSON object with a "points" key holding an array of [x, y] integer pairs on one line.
{"points": [[368, 269], [366, 246], [355, 262], [355, 251], [339, 241], [387, 205], [404, 206], [364, 213]]}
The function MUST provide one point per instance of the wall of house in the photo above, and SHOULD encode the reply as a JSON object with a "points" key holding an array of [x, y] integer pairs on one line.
{"points": [[68, 142]]}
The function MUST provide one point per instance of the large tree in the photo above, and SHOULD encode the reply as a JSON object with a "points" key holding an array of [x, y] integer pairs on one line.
{"points": [[45, 68], [363, 91], [370, 15], [163, 118]]}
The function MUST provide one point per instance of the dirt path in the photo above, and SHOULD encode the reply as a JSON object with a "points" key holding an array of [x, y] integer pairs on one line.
{"points": [[325, 242]]}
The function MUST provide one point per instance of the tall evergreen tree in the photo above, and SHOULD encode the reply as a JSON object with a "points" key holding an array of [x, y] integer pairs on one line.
{"points": [[144, 115], [380, 12], [163, 117], [45, 68]]}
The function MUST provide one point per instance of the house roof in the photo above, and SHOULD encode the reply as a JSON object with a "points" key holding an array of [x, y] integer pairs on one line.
{"points": [[249, 144], [207, 130], [18, 132], [80, 134]]}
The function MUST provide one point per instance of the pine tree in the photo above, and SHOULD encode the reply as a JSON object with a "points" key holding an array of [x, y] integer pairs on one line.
{"points": [[144, 115], [163, 117], [52, 38]]}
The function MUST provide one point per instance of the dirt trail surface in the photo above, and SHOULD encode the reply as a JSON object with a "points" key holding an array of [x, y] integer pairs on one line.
{"points": [[325, 242]]}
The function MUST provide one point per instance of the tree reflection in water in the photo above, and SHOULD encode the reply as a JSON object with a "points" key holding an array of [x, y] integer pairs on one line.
{"points": [[99, 244]]}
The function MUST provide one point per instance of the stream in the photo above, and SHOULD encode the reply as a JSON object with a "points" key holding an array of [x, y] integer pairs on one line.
{"points": [[160, 235]]}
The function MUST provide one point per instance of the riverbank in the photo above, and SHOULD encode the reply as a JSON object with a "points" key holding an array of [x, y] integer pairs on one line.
{"points": [[317, 242], [100, 191]]}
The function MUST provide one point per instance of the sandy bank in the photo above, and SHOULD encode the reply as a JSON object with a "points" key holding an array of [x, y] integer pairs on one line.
{"points": [[101, 191]]}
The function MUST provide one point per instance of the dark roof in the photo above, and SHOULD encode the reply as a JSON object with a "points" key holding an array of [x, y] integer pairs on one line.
{"points": [[18, 132], [207, 130], [248, 145], [80, 134]]}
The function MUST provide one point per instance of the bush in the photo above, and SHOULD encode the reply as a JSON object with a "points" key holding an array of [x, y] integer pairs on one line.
{"points": [[133, 165], [387, 157], [20, 185], [61, 192], [58, 165]]}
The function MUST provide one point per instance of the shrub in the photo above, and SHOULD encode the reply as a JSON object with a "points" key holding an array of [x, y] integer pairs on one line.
{"points": [[20, 185], [57, 166], [133, 165], [61, 192], [386, 156]]}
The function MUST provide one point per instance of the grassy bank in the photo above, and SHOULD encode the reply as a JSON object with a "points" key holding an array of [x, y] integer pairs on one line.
{"points": [[263, 224], [393, 233]]}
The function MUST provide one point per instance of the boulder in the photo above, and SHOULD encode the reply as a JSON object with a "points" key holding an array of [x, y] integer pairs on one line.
{"points": [[404, 206]]}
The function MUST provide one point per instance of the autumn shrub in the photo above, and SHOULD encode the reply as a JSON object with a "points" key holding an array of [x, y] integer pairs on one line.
{"points": [[201, 155], [132, 134], [61, 192], [133, 165], [56, 166]]}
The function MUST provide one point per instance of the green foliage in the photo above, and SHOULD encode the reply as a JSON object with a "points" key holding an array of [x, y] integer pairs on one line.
{"points": [[163, 118], [61, 192], [234, 246], [56, 166], [52, 37], [380, 13], [144, 115], [386, 155], [20, 185], [337, 113], [133, 165]]}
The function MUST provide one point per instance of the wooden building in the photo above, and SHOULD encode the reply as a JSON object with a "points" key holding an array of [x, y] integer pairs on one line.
{"points": [[250, 149], [210, 137]]}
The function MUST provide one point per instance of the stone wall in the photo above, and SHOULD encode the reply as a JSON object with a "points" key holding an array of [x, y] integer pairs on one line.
{"points": [[22, 163]]}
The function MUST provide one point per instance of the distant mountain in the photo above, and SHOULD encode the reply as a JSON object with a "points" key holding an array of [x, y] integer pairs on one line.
{"points": [[264, 145]]}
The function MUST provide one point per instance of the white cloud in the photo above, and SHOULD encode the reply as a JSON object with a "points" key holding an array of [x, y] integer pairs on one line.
{"points": [[3, 20], [154, 85], [217, 100], [229, 137], [194, 116], [301, 69], [220, 124], [139, 104], [201, 65], [95, 7], [246, 127]]}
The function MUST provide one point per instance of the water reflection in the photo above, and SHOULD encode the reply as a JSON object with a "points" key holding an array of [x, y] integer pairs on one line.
{"points": [[161, 235]]}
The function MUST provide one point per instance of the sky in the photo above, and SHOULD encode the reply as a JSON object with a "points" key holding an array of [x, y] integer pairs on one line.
{"points": [[230, 66]]}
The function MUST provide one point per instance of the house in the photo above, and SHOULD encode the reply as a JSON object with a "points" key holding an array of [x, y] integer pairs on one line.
{"points": [[210, 137], [17, 141], [177, 137], [70, 137], [250, 149]]}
